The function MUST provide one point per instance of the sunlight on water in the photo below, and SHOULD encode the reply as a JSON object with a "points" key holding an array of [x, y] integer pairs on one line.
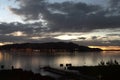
{"points": [[17, 64], [36, 60], [1, 56]]}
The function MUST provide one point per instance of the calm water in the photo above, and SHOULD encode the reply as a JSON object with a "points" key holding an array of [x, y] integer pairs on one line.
{"points": [[32, 61]]}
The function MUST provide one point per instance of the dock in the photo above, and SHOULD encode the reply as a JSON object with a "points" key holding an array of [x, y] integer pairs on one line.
{"points": [[69, 74]]}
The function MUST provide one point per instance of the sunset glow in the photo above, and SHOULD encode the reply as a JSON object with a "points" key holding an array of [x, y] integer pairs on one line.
{"points": [[106, 47], [4, 43], [17, 33], [1, 44]]}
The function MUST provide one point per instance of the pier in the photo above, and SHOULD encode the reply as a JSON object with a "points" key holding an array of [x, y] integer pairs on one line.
{"points": [[69, 74]]}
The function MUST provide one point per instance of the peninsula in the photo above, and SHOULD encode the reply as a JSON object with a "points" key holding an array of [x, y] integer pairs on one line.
{"points": [[48, 47]]}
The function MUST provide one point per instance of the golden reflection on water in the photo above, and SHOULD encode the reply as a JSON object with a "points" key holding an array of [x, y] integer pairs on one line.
{"points": [[110, 53], [107, 47], [5, 56], [1, 56], [78, 60], [26, 61], [35, 61], [64, 60], [18, 64]]}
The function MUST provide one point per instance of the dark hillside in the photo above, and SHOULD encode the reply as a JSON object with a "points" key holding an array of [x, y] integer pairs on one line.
{"points": [[49, 47]]}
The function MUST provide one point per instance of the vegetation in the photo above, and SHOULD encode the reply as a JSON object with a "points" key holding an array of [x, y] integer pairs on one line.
{"points": [[108, 63], [109, 70]]}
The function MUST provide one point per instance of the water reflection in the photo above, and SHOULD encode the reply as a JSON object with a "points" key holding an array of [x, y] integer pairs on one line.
{"points": [[1, 56], [33, 61]]}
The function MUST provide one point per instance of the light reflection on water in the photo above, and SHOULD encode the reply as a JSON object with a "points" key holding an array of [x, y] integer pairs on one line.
{"points": [[32, 61]]}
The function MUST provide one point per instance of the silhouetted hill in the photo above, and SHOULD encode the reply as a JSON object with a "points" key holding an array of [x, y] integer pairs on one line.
{"points": [[48, 47]]}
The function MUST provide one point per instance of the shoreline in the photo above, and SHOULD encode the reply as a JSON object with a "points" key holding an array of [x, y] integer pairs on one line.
{"points": [[99, 72]]}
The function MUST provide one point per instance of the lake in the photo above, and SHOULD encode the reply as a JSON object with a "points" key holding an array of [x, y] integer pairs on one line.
{"points": [[32, 61]]}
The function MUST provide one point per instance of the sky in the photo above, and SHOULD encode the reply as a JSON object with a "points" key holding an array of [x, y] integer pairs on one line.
{"points": [[85, 22]]}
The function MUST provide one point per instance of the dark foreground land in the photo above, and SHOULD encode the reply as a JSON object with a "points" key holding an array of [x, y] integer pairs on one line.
{"points": [[19, 74], [101, 72]]}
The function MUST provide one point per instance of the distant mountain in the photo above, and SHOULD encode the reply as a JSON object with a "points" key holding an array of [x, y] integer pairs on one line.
{"points": [[48, 47]]}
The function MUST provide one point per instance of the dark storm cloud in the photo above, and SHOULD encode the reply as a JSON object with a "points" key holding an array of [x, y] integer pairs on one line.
{"points": [[30, 9], [99, 43], [5, 38], [7, 28], [25, 39], [113, 35], [114, 8], [94, 37], [115, 42], [114, 3], [8, 32], [83, 38], [56, 19], [17, 39], [68, 16]]}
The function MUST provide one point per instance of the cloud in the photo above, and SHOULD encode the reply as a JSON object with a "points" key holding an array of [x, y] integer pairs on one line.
{"points": [[98, 43], [114, 3], [30, 9], [67, 16], [82, 38], [8, 28], [46, 21], [5, 38], [19, 32], [114, 8], [115, 42], [94, 37], [113, 35]]}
